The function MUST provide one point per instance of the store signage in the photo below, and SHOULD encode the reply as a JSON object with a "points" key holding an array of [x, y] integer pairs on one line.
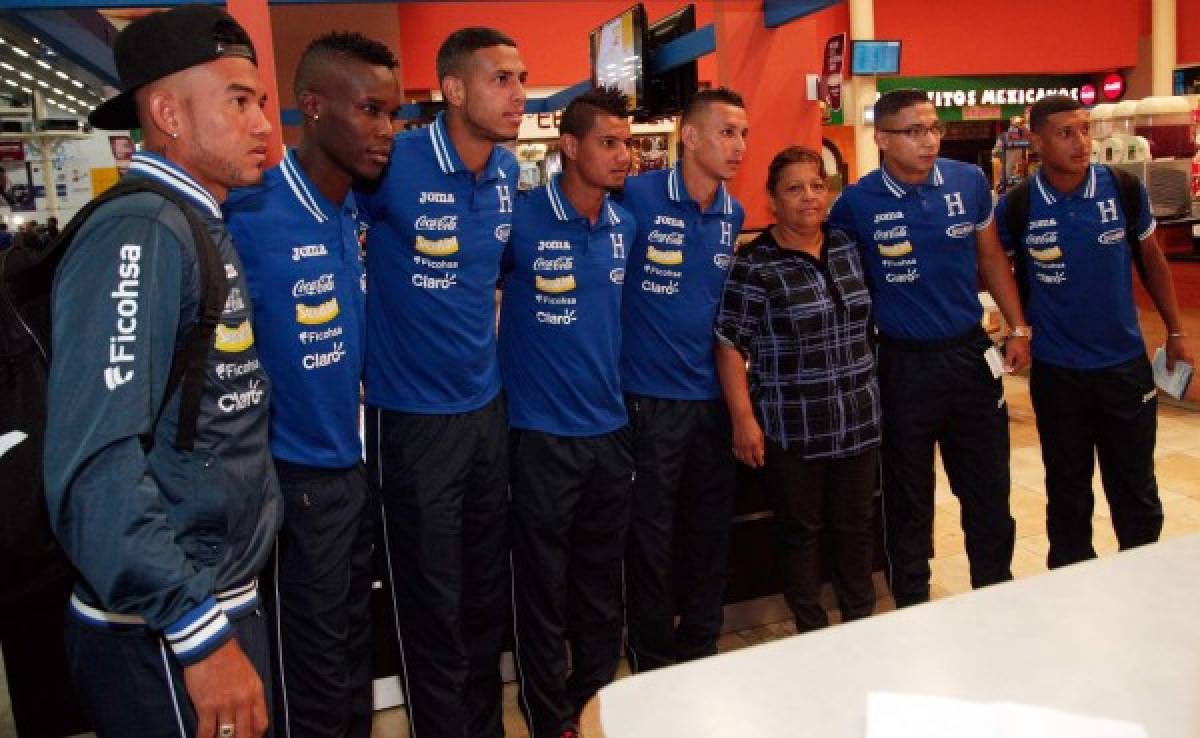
{"points": [[962, 92], [831, 70], [1087, 94], [12, 151], [982, 112], [548, 120], [996, 96], [1114, 86]]}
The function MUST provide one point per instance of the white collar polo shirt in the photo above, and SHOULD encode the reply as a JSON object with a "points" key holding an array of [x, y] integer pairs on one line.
{"points": [[918, 244], [677, 267], [560, 320], [1078, 271], [436, 235]]}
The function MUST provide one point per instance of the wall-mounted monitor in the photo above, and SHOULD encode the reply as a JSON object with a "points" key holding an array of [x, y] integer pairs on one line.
{"points": [[667, 93], [617, 56], [874, 57]]}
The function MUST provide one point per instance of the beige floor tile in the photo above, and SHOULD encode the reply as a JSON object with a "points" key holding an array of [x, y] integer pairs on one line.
{"points": [[1038, 545], [952, 573], [1027, 563]]}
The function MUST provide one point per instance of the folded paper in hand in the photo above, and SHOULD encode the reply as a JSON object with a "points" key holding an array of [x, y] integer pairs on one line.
{"points": [[1173, 382]]}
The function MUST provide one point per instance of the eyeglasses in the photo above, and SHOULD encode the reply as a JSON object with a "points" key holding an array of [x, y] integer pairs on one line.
{"points": [[916, 133]]}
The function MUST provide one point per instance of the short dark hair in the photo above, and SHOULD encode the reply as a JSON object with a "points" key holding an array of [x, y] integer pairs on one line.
{"points": [[701, 100], [580, 114], [459, 46], [339, 44], [893, 101], [789, 156], [1048, 106]]}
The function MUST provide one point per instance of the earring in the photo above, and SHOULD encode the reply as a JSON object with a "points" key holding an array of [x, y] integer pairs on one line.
{"points": [[174, 134], [315, 117]]}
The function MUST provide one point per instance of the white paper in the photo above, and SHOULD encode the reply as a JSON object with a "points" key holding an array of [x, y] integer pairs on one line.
{"points": [[1174, 382], [892, 715], [994, 361]]}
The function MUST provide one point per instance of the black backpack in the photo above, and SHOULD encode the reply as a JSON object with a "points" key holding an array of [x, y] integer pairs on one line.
{"points": [[26, 282], [1017, 220]]}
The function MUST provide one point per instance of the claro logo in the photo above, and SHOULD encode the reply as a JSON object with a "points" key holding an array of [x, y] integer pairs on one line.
{"points": [[124, 338], [232, 402]]}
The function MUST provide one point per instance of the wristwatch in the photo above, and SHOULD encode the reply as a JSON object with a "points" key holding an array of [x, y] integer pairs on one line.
{"points": [[1022, 331]]}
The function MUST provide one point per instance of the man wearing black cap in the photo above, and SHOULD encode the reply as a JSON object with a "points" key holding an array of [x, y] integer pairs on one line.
{"points": [[164, 632]]}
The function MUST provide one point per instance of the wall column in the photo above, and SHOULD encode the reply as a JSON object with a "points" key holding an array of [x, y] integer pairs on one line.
{"points": [[255, 17], [1163, 39], [862, 89]]}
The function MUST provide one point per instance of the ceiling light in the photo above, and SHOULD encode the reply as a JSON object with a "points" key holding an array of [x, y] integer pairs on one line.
{"points": [[8, 66], [42, 84], [61, 74], [77, 83], [27, 89], [10, 82], [20, 52], [43, 64], [57, 91], [35, 39], [26, 75]]}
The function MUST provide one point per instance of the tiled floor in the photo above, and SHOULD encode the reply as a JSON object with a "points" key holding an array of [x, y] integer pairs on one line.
{"points": [[1177, 462], [1178, 470]]}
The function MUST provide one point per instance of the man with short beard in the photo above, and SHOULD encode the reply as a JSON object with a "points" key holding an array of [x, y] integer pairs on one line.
{"points": [[297, 235], [164, 632], [436, 424]]}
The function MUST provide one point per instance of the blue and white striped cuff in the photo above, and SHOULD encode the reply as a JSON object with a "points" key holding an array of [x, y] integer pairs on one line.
{"points": [[200, 632]]}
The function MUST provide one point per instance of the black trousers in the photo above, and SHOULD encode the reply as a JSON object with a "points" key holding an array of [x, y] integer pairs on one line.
{"points": [[131, 686], [809, 497], [35, 664], [444, 484], [570, 511], [1083, 414], [677, 557], [317, 596], [943, 393]]}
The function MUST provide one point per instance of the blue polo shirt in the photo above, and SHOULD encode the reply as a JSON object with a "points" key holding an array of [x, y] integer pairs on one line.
{"points": [[433, 258], [918, 245], [304, 274], [1077, 269], [677, 266], [560, 319]]}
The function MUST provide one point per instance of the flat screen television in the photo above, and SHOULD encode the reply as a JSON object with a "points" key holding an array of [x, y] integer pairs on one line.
{"points": [[617, 51], [668, 92], [874, 57]]}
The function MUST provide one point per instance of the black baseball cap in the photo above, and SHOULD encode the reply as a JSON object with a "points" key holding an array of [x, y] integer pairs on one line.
{"points": [[160, 44]]}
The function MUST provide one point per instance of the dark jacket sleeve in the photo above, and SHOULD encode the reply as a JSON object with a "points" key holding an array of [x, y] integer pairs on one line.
{"points": [[117, 308]]}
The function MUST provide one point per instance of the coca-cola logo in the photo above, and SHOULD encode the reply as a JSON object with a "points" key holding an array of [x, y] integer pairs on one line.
{"points": [[318, 286], [442, 223], [1114, 86], [557, 264]]}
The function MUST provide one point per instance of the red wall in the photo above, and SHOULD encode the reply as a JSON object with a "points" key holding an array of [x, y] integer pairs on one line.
{"points": [[1187, 30], [552, 36], [1011, 36], [767, 66]]}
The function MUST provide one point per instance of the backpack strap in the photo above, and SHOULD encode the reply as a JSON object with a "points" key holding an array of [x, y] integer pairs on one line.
{"points": [[1016, 218], [1129, 188], [189, 360]]}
